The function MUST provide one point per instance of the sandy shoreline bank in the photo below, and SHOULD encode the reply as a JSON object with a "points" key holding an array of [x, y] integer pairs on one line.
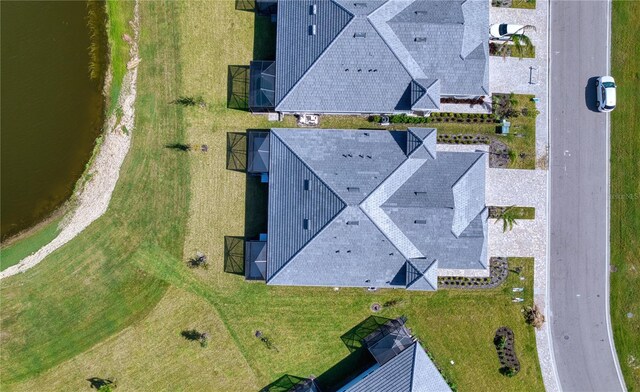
{"points": [[93, 197]]}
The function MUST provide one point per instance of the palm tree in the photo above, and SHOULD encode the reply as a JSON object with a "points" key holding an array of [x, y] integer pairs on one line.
{"points": [[508, 218], [517, 41]]}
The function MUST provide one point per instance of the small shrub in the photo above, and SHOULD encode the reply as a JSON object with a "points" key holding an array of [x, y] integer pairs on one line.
{"points": [[508, 371], [501, 342], [534, 316]]}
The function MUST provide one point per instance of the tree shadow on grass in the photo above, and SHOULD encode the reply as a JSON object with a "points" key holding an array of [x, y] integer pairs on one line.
{"points": [[178, 147], [97, 382]]}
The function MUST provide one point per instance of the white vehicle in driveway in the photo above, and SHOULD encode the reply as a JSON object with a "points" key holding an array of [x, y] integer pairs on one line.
{"points": [[503, 31], [606, 93]]}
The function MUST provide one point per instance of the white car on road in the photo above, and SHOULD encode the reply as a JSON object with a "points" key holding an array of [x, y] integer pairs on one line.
{"points": [[606, 93], [504, 31]]}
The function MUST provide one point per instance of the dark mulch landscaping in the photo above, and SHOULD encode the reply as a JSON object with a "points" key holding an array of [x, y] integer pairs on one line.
{"points": [[498, 154], [498, 267], [504, 341], [463, 139]]}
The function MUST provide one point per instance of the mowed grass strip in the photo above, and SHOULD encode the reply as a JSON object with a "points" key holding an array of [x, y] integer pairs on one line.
{"points": [[151, 355], [13, 253], [119, 14], [625, 190], [91, 288]]}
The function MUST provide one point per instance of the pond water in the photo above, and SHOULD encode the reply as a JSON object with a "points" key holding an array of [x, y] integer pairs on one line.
{"points": [[52, 108]]}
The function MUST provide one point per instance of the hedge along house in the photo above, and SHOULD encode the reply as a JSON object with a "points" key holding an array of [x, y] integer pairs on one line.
{"points": [[362, 208], [373, 56]]}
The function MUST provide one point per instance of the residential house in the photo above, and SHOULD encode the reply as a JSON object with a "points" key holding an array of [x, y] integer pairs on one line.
{"points": [[358, 208], [373, 56]]}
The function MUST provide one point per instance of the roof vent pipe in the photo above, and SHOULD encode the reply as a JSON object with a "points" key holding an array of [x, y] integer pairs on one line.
{"points": [[312, 29]]}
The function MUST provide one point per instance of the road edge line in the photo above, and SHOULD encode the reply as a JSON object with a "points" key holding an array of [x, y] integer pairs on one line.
{"points": [[549, 312]]}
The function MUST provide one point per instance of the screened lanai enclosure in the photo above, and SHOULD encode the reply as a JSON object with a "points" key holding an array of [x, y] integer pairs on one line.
{"points": [[262, 86]]}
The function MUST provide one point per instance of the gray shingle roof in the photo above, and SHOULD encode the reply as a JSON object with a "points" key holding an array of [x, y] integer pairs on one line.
{"points": [[376, 56], [425, 94], [410, 371], [370, 207], [297, 48], [302, 205], [422, 274]]}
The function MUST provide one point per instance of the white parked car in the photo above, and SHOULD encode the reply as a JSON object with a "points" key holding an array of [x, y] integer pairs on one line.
{"points": [[606, 93], [503, 31]]}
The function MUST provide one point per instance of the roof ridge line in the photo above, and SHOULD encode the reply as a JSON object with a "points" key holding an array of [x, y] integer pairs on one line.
{"points": [[320, 55], [387, 43], [307, 166], [434, 261], [413, 365], [481, 154], [342, 211], [360, 205], [340, 5], [436, 104], [325, 184]]}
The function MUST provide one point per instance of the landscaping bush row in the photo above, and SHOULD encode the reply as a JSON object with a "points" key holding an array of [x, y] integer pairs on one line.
{"points": [[463, 139], [499, 269], [504, 341], [468, 101], [438, 117]]}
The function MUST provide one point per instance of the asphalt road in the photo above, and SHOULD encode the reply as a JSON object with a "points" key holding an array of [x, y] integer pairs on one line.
{"points": [[578, 266]]}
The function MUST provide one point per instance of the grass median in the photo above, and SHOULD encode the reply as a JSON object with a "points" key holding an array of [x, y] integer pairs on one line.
{"points": [[625, 191]]}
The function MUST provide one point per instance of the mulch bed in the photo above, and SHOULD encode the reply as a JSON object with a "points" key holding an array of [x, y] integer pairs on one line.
{"points": [[498, 154], [498, 267], [510, 365], [463, 139]]}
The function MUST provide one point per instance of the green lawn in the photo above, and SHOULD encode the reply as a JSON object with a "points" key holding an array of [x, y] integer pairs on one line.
{"points": [[12, 254], [112, 302], [119, 15], [625, 190], [526, 4]]}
